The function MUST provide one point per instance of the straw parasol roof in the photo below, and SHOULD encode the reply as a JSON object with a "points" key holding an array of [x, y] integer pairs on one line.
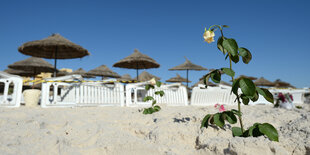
{"points": [[263, 82], [103, 71], [178, 78], [81, 72], [279, 83], [53, 47], [19, 72], [125, 77], [33, 64], [145, 76], [137, 61], [187, 65], [249, 77]]}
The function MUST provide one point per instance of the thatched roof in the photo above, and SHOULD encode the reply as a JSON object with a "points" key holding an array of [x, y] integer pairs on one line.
{"points": [[187, 65], [103, 71], [19, 72], [145, 76], [178, 78], [81, 72], [33, 64], [46, 48], [125, 77], [249, 77], [279, 83], [137, 60], [263, 82]]}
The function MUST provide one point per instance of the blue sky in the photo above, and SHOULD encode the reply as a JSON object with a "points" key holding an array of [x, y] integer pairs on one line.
{"points": [[276, 32]]}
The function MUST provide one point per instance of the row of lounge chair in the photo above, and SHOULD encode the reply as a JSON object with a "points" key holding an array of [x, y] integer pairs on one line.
{"points": [[72, 91]]}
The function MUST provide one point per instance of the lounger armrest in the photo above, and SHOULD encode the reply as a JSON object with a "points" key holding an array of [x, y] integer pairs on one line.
{"points": [[67, 77]]}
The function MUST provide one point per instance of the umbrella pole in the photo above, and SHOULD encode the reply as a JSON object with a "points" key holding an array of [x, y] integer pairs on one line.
{"points": [[55, 62], [187, 78], [137, 74]]}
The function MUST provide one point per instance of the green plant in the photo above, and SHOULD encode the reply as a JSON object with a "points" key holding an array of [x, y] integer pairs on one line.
{"points": [[154, 107], [249, 91]]}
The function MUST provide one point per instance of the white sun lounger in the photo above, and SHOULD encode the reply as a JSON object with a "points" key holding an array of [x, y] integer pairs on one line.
{"points": [[212, 95], [175, 94], [7, 98], [81, 93]]}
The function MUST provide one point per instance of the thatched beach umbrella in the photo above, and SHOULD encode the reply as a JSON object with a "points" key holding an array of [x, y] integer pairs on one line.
{"points": [[125, 77], [187, 65], [19, 72], [102, 71], [279, 83], [244, 76], [145, 76], [34, 65], [137, 61], [249, 77], [263, 82], [178, 78], [81, 72], [53, 47]]}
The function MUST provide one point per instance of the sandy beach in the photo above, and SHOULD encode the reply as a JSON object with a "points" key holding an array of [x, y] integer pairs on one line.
{"points": [[124, 130]]}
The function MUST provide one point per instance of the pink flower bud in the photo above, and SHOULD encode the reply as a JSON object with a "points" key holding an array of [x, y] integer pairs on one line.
{"points": [[222, 108]]}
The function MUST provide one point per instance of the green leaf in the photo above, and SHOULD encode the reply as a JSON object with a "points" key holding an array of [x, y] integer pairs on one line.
{"points": [[268, 130], [230, 117], [231, 46], [235, 59], [216, 76], [236, 112], [154, 102], [146, 111], [246, 55], [245, 99], [254, 130], [218, 119], [247, 86], [147, 87], [158, 83], [255, 97], [148, 98], [236, 131], [228, 71], [161, 93], [235, 86], [266, 93], [156, 108], [220, 45], [226, 26], [204, 122]]}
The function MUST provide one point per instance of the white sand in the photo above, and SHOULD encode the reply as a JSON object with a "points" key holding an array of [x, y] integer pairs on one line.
{"points": [[123, 130]]}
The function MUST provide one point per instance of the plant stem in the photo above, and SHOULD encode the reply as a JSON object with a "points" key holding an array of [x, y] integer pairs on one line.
{"points": [[238, 99]]}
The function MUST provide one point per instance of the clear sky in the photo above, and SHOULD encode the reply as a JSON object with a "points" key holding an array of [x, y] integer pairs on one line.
{"points": [[276, 32]]}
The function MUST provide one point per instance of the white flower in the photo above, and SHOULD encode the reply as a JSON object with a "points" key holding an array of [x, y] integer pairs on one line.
{"points": [[209, 36], [153, 81]]}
